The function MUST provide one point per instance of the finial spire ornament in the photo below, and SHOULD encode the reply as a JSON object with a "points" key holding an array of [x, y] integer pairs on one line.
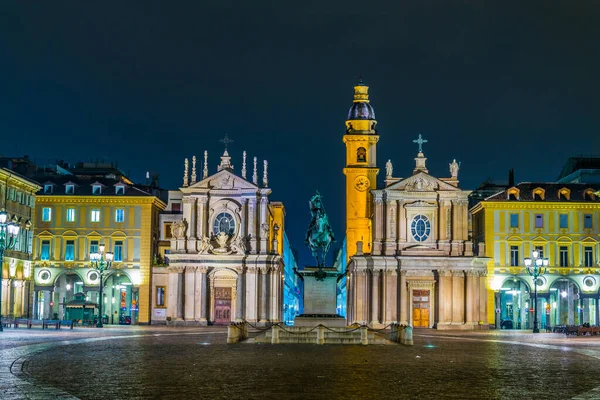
{"points": [[255, 173], [205, 170], [244, 164], [420, 142], [226, 141], [185, 173], [265, 176], [193, 169]]}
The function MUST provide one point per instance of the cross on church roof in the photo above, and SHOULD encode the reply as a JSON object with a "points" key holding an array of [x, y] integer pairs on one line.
{"points": [[226, 141], [420, 142]]}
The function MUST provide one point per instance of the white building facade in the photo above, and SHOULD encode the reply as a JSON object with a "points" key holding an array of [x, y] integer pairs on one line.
{"points": [[225, 259]]}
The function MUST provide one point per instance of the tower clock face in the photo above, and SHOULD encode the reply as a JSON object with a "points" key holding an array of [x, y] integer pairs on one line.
{"points": [[362, 183]]}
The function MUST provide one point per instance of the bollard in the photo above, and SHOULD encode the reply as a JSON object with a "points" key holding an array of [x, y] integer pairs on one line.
{"points": [[408, 336], [275, 334], [402, 336], [320, 334], [232, 334], [364, 335]]}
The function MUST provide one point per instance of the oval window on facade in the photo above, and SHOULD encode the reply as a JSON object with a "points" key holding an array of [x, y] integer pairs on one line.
{"points": [[224, 222], [420, 228]]}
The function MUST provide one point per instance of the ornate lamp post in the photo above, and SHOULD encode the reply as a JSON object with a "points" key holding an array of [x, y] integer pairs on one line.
{"points": [[9, 231], [101, 262], [536, 267]]}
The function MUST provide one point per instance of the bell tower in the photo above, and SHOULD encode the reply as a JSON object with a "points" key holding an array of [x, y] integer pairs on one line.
{"points": [[361, 170]]}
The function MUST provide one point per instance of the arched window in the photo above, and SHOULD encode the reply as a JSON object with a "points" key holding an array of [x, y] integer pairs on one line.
{"points": [[361, 155]]}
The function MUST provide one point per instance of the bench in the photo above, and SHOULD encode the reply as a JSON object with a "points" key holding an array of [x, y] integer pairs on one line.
{"points": [[47, 322], [67, 323], [7, 322]]}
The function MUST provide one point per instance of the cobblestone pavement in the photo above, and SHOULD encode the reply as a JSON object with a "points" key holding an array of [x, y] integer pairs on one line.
{"points": [[168, 363]]}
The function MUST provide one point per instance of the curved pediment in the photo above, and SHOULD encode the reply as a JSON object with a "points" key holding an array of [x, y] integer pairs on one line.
{"points": [[514, 238], [564, 239], [118, 234], [69, 233]]}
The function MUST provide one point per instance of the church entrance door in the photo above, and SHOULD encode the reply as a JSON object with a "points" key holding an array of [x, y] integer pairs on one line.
{"points": [[420, 301], [222, 306]]}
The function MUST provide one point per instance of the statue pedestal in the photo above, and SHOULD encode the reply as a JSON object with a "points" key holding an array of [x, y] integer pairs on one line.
{"points": [[319, 299]]}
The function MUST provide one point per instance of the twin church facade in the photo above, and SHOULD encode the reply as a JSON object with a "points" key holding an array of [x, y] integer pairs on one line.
{"points": [[409, 259]]}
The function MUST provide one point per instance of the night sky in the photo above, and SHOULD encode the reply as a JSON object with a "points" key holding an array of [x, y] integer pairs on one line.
{"points": [[494, 85]]}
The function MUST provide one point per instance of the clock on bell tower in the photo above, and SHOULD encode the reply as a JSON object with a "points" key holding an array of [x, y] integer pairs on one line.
{"points": [[361, 169]]}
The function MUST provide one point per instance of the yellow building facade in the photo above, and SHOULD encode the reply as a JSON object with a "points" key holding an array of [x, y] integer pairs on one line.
{"points": [[361, 169], [17, 198], [561, 222], [73, 217]]}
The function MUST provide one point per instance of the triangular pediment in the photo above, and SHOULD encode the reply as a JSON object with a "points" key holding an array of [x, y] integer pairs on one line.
{"points": [[223, 179], [539, 239], [422, 182], [589, 239]]}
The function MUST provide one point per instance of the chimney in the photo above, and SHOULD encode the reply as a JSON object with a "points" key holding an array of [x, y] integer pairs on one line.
{"points": [[511, 177]]}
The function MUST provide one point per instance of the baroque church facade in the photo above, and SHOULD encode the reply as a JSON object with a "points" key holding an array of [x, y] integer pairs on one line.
{"points": [[225, 258], [410, 260]]}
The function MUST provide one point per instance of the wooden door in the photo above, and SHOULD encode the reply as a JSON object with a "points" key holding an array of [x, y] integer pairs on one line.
{"points": [[420, 305], [222, 306]]}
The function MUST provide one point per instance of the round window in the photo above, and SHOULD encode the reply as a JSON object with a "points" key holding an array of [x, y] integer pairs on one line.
{"points": [[224, 222], [44, 275], [93, 276], [589, 281], [420, 228]]}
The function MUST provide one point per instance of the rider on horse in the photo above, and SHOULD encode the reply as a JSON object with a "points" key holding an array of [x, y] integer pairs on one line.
{"points": [[319, 235]]}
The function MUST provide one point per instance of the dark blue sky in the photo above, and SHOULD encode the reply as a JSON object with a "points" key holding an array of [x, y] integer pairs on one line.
{"points": [[147, 84]]}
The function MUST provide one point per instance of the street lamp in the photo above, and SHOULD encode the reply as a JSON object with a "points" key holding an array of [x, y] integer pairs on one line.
{"points": [[9, 231], [101, 261], [536, 267]]}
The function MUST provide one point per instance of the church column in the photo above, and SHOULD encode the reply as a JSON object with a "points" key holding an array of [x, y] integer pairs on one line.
{"points": [[264, 289], [378, 222], [202, 216], [444, 300], [350, 297], [180, 294], [252, 222], [173, 287], [264, 233], [204, 299], [361, 296], [391, 293], [190, 289], [390, 221], [458, 296], [403, 299], [251, 294], [456, 217], [470, 291], [483, 297], [375, 298], [276, 298], [239, 300], [243, 213], [402, 223], [197, 293]]}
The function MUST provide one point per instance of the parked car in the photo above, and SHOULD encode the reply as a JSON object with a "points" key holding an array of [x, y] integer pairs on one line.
{"points": [[506, 324]]}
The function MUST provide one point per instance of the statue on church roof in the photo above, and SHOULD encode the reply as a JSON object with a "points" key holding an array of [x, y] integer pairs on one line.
{"points": [[454, 167], [388, 168], [319, 235]]}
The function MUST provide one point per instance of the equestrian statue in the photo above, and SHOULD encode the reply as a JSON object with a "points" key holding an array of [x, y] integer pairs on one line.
{"points": [[319, 235]]}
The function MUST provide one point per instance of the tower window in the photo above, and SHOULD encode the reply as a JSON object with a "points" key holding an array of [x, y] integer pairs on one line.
{"points": [[361, 155]]}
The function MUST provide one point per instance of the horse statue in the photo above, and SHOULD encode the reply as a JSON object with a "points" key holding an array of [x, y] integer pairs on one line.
{"points": [[319, 235]]}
